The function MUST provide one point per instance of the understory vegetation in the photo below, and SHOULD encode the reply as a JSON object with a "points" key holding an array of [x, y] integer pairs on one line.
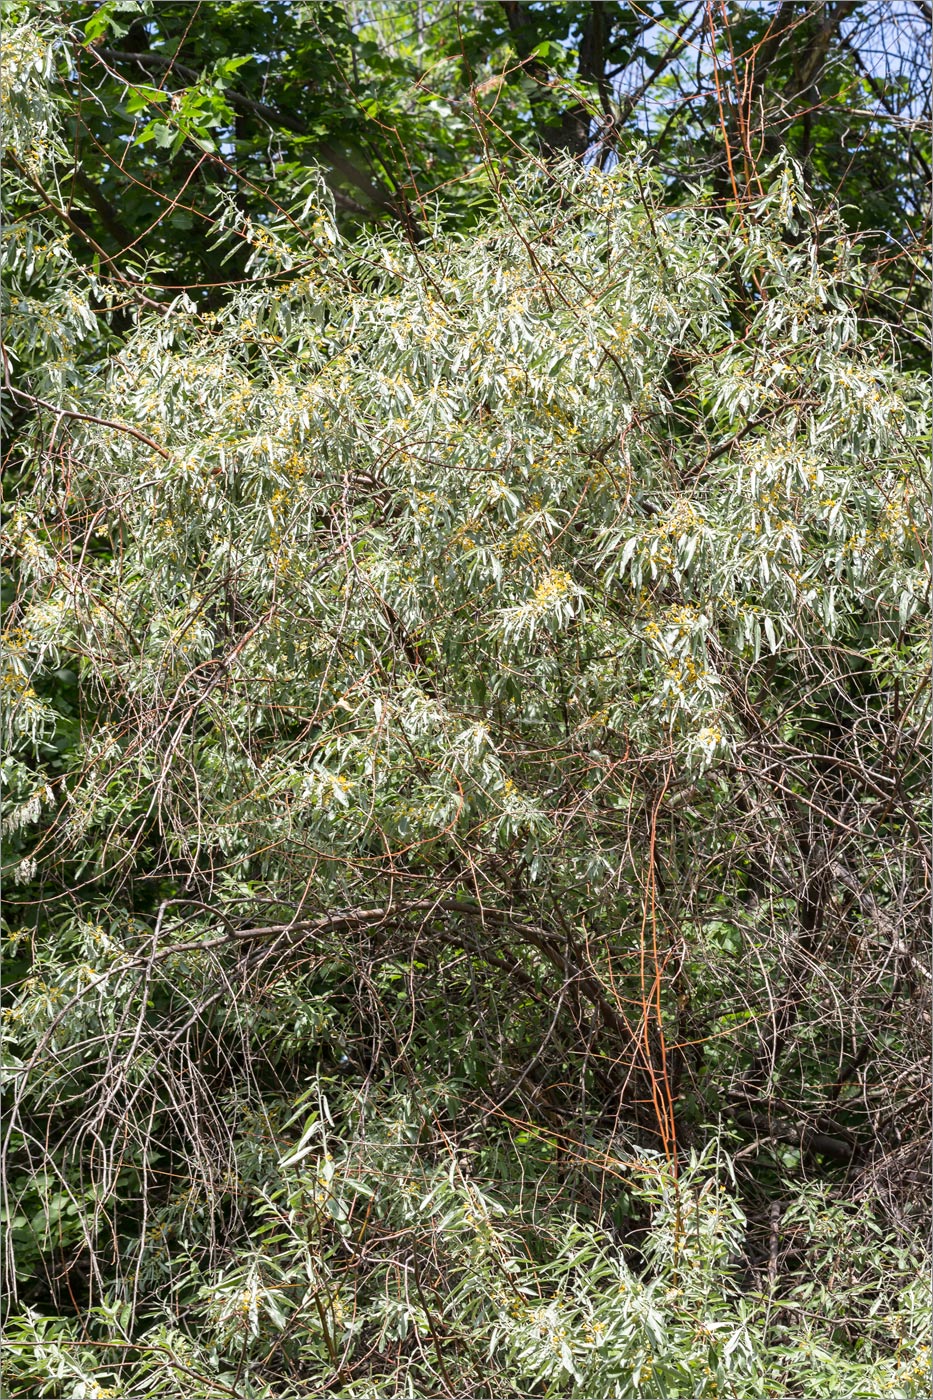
{"points": [[466, 789]]}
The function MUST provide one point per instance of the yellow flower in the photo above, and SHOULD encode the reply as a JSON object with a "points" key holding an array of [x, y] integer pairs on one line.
{"points": [[555, 585]]}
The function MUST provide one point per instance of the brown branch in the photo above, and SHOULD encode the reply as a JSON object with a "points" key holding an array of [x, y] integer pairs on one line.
{"points": [[359, 179], [89, 418], [844, 1150], [82, 233]]}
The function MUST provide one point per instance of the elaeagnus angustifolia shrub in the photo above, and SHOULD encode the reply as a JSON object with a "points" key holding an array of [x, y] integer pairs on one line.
{"points": [[464, 809]]}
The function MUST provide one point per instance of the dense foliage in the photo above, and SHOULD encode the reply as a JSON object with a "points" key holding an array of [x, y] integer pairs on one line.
{"points": [[416, 109], [466, 822]]}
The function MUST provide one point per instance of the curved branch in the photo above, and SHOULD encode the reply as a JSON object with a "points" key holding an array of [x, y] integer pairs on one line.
{"points": [[89, 418]]}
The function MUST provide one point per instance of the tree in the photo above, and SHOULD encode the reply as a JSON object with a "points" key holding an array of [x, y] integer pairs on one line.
{"points": [[465, 813]]}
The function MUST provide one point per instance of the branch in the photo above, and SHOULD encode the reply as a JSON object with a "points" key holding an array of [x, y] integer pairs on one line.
{"points": [[300, 931], [89, 418], [82, 233], [663, 61], [882, 920], [797, 1134], [361, 181]]}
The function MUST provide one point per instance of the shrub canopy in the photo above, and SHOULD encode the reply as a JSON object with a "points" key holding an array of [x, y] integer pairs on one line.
{"points": [[466, 703]]}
